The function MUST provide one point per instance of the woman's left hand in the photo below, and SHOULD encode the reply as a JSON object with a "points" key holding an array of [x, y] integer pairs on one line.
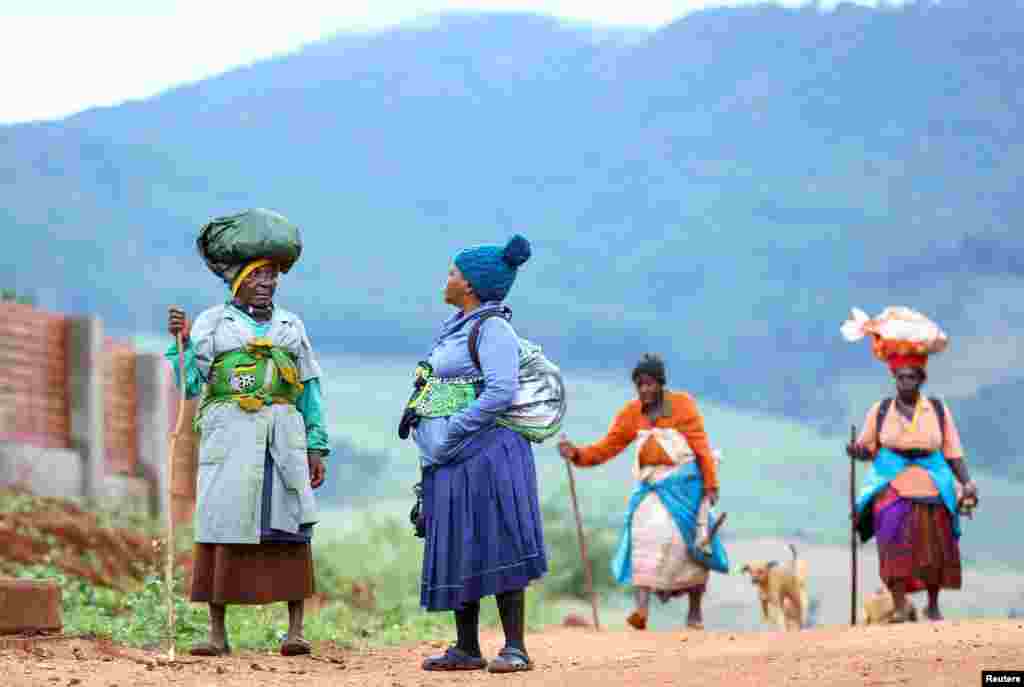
{"points": [[317, 470], [971, 490]]}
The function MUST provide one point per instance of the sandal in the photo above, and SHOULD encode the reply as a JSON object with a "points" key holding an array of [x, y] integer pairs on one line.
{"points": [[210, 649], [296, 647], [510, 660], [900, 615], [454, 659], [638, 619]]}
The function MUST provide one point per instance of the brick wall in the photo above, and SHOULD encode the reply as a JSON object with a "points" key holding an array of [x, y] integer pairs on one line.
{"points": [[34, 396], [34, 404], [119, 403]]}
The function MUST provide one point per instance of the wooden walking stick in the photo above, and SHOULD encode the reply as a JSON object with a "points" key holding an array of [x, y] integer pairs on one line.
{"points": [[853, 531], [169, 548], [583, 545]]}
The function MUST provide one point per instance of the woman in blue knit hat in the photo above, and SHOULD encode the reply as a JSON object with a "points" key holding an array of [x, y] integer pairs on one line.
{"points": [[481, 509]]}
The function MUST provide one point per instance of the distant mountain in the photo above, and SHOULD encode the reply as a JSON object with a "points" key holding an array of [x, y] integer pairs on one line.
{"points": [[721, 190]]}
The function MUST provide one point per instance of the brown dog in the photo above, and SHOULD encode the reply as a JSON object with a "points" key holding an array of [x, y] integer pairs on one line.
{"points": [[782, 589], [878, 608]]}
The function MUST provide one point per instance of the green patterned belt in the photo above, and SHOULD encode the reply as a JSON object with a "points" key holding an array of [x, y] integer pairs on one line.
{"points": [[441, 397], [253, 377]]}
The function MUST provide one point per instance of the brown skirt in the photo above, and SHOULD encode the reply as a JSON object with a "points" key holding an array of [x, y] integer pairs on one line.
{"points": [[252, 573]]}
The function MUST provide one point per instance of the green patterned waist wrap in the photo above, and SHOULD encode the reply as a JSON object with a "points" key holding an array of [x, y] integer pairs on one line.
{"points": [[253, 377], [441, 397]]}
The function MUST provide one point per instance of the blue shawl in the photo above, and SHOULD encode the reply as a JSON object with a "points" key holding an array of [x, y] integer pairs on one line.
{"points": [[680, 493], [886, 466]]}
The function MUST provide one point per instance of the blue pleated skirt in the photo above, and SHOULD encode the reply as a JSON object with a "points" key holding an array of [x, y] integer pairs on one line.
{"points": [[483, 520]]}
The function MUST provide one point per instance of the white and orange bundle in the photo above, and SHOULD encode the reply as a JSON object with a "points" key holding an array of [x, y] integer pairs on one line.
{"points": [[897, 332]]}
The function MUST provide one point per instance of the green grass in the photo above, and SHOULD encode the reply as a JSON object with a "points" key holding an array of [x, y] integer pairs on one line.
{"points": [[377, 550], [566, 577], [384, 551], [381, 550]]}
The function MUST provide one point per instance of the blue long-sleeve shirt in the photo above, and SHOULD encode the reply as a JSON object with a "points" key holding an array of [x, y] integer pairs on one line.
{"points": [[440, 440]]}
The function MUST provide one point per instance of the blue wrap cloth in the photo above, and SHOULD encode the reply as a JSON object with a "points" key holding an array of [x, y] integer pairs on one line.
{"points": [[681, 494], [886, 466]]}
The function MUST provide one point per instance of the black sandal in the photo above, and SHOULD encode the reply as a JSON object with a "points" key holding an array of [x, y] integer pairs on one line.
{"points": [[900, 615], [510, 660], [210, 649], [296, 647], [454, 659]]}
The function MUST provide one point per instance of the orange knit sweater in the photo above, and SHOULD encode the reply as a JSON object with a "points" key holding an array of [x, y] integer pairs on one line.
{"points": [[680, 413]]}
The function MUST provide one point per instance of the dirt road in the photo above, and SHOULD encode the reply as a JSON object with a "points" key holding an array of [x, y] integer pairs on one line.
{"points": [[947, 653]]}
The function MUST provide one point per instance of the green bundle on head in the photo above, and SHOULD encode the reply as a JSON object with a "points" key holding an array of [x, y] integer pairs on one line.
{"points": [[228, 244]]}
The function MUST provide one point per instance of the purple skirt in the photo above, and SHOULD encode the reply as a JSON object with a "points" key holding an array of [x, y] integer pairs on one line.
{"points": [[916, 545], [483, 520]]}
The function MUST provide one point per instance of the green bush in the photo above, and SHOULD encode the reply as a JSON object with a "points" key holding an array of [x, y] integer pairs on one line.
{"points": [[384, 553], [567, 577], [372, 551]]}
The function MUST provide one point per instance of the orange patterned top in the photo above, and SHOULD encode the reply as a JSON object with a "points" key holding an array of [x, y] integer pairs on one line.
{"points": [[901, 434], [921, 432]]}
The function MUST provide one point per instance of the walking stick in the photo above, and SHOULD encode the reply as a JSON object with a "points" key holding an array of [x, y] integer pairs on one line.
{"points": [[583, 545], [169, 549], [853, 532]]}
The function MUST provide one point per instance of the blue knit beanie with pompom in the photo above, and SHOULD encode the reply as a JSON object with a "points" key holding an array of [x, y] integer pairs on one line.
{"points": [[490, 270]]}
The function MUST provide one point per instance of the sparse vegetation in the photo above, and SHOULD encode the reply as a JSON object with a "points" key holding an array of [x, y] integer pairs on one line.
{"points": [[367, 583], [567, 576]]}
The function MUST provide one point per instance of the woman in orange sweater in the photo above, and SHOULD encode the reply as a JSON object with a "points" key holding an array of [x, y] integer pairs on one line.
{"points": [[676, 487]]}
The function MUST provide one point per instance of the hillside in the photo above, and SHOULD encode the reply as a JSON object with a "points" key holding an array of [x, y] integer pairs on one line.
{"points": [[721, 190]]}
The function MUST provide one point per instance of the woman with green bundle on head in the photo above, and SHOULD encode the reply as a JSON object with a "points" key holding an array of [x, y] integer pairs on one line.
{"points": [[263, 436]]}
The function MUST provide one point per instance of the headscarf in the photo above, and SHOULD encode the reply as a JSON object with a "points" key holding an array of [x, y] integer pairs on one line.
{"points": [[246, 271], [898, 360]]}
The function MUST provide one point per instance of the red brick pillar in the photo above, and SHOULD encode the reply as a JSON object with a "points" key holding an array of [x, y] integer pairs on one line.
{"points": [[29, 606]]}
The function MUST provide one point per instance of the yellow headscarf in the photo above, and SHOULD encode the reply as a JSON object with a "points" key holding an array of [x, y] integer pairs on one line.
{"points": [[246, 271]]}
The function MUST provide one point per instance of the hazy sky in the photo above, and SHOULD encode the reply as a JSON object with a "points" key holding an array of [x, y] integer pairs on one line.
{"points": [[63, 56]]}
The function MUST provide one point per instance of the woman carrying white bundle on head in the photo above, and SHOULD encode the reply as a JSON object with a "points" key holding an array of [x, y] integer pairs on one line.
{"points": [[910, 499]]}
